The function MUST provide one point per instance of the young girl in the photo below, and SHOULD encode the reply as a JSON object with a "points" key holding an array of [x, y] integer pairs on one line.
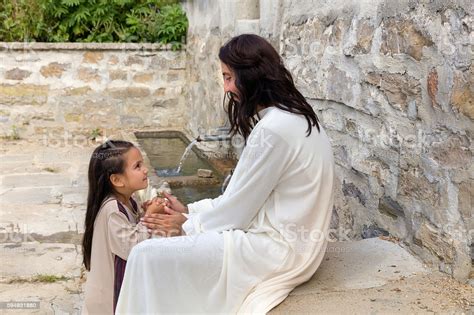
{"points": [[112, 224]]}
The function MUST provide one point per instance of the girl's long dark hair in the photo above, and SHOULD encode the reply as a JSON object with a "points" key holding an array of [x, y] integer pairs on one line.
{"points": [[262, 80], [107, 159]]}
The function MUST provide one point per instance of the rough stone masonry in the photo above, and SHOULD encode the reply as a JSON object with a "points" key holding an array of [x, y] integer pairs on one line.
{"points": [[392, 84]]}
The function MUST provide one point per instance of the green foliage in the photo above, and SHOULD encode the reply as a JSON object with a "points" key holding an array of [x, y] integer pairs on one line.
{"points": [[93, 21]]}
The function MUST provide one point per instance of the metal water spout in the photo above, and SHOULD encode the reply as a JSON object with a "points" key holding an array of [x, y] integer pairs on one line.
{"points": [[213, 138], [222, 135]]}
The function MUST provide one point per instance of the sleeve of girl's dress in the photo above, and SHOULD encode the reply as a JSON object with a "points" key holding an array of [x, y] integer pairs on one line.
{"points": [[123, 235], [258, 171]]}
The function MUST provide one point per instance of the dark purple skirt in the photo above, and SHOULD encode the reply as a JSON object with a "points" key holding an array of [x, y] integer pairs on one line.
{"points": [[119, 263]]}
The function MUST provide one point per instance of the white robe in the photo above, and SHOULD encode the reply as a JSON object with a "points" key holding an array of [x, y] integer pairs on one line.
{"points": [[247, 249]]}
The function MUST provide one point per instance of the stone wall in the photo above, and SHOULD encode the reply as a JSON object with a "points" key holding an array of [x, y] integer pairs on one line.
{"points": [[390, 81], [47, 89]]}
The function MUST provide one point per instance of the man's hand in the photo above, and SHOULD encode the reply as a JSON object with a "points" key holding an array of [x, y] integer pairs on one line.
{"points": [[168, 224], [175, 204]]}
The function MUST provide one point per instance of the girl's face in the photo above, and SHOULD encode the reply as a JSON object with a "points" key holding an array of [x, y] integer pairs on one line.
{"points": [[135, 174], [229, 81]]}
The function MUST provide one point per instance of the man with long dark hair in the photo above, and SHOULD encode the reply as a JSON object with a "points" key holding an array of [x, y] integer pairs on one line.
{"points": [[244, 251]]}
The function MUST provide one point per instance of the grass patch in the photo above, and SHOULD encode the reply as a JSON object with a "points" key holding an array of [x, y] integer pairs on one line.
{"points": [[49, 278], [39, 278], [51, 169]]}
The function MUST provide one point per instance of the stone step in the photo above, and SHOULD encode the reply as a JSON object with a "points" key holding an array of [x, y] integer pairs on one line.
{"points": [[27, 260]]}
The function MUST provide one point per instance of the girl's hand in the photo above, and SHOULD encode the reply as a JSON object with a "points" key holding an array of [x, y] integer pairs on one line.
{"points": [[168, 224], [156, 205], [175, 204], [145, 204]]}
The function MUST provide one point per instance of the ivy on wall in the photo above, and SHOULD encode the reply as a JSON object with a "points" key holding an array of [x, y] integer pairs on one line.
{"points": [[150, 21]]}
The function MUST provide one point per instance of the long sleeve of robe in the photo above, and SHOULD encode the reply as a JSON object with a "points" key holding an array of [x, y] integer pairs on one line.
{"points": [[247, 249]]}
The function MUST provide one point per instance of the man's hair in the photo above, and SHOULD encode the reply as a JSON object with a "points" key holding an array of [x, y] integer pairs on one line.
{"points": [[261, 80]]}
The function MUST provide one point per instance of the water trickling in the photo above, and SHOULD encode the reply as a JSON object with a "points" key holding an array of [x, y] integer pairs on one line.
{"points": [[185, 155], [176, 171]]}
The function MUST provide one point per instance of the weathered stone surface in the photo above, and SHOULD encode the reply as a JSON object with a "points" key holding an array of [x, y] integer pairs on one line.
{"points": [[462, 97], [412, 183], [73, 117], [128, 92], [36, 180], [391, 207], [143, 77], [134, 60], [399, 89], [363, 39], [159, 92], [175, 75], [64, 257], [340, 86], [433, 86], [436, 241], [23, 90], [453, 152], [403, 37], [23, 94], [17, 74], [92, 57], [466, 203], [88, 75], [54, 69], [165, 103], [113, 60], [349, 189], [77, 91], [117, 75]]}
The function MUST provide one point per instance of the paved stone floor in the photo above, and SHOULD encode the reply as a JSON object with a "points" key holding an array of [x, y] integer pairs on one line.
{"points": [[42, 202]]}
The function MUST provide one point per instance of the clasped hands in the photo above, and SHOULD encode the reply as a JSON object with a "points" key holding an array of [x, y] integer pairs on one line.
{"points": [[164, 216]]}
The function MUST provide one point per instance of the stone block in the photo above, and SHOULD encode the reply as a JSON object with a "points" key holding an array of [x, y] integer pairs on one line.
{"points": [[27, 196], [436, 241], [351, 190], [160, 92], [23, 94], [340, 86], [412, 183], [164, 103], [462, 96], [453, 152], [143, 77], [403, 37], [17, 74], [117, 75], [88, 75], [466, 202], [92, 57], [391, 207], [204, 173], [175, 75], [83, 90], [362, 42], [113, 60], [399, 89], [73, 117], [40, 257], [433, 87], [128, 92], [134, 60], [53, 69]]}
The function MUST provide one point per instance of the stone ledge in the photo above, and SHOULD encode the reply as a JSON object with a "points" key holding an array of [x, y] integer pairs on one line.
{"points": [[85, 46]]}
